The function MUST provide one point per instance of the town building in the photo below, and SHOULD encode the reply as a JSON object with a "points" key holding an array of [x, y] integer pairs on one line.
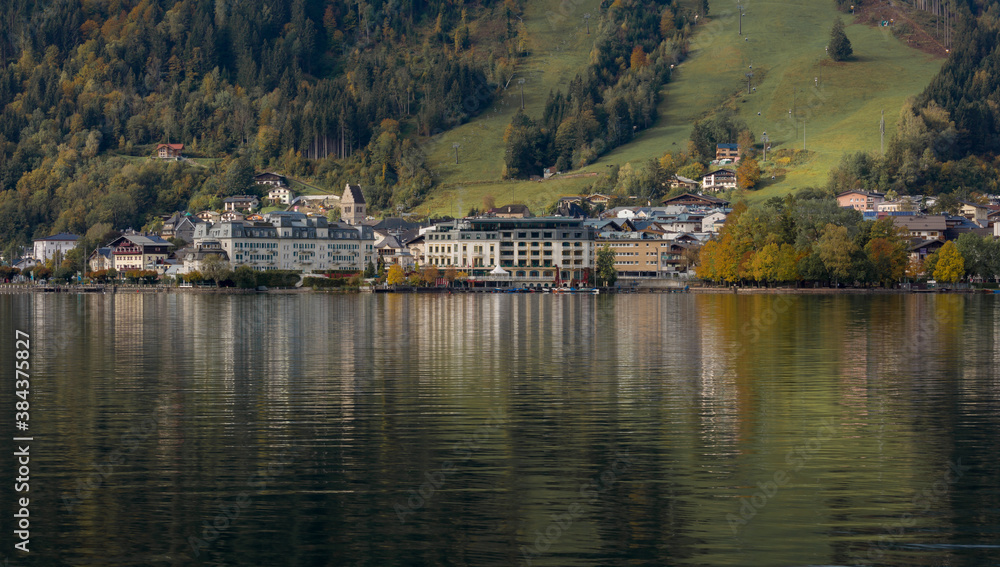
{"points": [[280, 195], [719, 180], [169, 151], [923, 227], [514, 211], [101, 259], [729, 152], [272, 179], [193, 257], [45, 248], [138, 252], [694, 200], [353, 209], [538, 251], [639, 255], [240, 203], [180, 225], [293, 241], [860, 200]]}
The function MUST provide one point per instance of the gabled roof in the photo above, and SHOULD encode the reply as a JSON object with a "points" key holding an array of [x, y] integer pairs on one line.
{"points": [[860, 192], [691, 198], [61, 237], [720, 171], [354, 191], [239, 199], [177, 147], [516, 209], [728, 146]]}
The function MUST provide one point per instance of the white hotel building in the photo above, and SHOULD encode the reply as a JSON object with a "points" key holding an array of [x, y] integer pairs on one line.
{"points": [[551, 249], [292, 241]]}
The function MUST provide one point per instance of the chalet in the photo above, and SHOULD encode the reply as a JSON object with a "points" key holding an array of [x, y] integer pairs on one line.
{"points": [[138, 252], [681, 182], [209, 216], [598, 199], [510, 212], [860, 200], [713, 221], [923, 227], [169, 151], [719, 180], [231, 216], [730, 152], [920, 249], [272, 179], [694, 200], [240, 203], [353, 208], [280, 195]]}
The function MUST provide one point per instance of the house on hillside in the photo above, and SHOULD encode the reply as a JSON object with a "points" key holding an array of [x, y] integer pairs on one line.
{"points": [[272, 179], [860, 200], [240, 203], [974, 212], [353, 208], [730, 152], [169, 151], [180, 225], [138, 252], [681, 182], [719, 180], [280, 195]]}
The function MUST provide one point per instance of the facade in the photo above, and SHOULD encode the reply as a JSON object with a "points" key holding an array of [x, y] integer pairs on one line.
{"points": [[719, 180], [860, 200], [240, 203], [542, 250], [679, 181], [272, 179], [138, 252], [280, 195], [639, 256], [713, 222], [101, 259], [727, 151], [193, 257], [292, 241], [974, 212], [180, 225], [923, 227], [169, 151], [45, 248], [353, 209]]}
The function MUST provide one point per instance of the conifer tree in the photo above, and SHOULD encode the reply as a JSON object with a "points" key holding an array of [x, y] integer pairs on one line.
{"points": [[840, 47]]}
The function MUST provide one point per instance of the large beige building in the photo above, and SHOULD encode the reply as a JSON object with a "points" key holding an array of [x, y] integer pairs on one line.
{"points": [[292, 241], [554, 250]]}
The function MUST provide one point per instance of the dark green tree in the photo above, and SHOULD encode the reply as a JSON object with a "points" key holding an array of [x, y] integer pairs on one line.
{"points": [[370, 270], [840, 47]]}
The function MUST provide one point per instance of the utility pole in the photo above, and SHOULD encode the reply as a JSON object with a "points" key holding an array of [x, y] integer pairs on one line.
{"points": [[456, 145], [803, 135], [521, 83], [881, 131], [765, 140], [586, 18]]}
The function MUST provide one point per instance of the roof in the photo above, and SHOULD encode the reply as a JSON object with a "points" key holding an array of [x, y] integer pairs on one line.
{"points": [[61, 237], [355, 193], [683, 179], [719, 171], [695, 199], [934, 222], [728, 146], [515, 209], [239, 198], [171, 146], [860, 192]]}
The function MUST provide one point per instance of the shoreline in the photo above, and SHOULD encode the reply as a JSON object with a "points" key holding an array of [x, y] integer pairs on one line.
{"points": [[117, 290]]}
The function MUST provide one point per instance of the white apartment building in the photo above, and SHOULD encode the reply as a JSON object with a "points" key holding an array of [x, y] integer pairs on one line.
{"points": [[292, 241], [556, 249]]}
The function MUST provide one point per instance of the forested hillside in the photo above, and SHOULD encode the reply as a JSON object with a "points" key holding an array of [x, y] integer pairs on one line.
{"points": [[948, 136], [310, 87]]}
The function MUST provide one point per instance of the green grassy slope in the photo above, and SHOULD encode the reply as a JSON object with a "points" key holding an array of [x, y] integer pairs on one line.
{"points": [[786, 48]]}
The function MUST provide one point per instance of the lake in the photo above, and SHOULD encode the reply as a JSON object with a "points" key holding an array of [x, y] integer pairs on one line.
{"points": [[361, 430]]}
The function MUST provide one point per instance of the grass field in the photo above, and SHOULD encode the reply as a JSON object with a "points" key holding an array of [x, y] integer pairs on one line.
{"points": [[838, 104]]}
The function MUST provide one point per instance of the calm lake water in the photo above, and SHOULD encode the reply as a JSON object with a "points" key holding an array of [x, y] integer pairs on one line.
{"points": [[507, 430]]}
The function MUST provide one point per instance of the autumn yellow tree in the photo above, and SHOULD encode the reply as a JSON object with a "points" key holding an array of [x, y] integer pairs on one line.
{"points": [[748, 173], [639, 59], [835, 249], [950, 265], [396, 275]]}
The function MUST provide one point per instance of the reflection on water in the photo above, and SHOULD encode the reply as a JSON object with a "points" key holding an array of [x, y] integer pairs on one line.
{"points": [[511, 430]]}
